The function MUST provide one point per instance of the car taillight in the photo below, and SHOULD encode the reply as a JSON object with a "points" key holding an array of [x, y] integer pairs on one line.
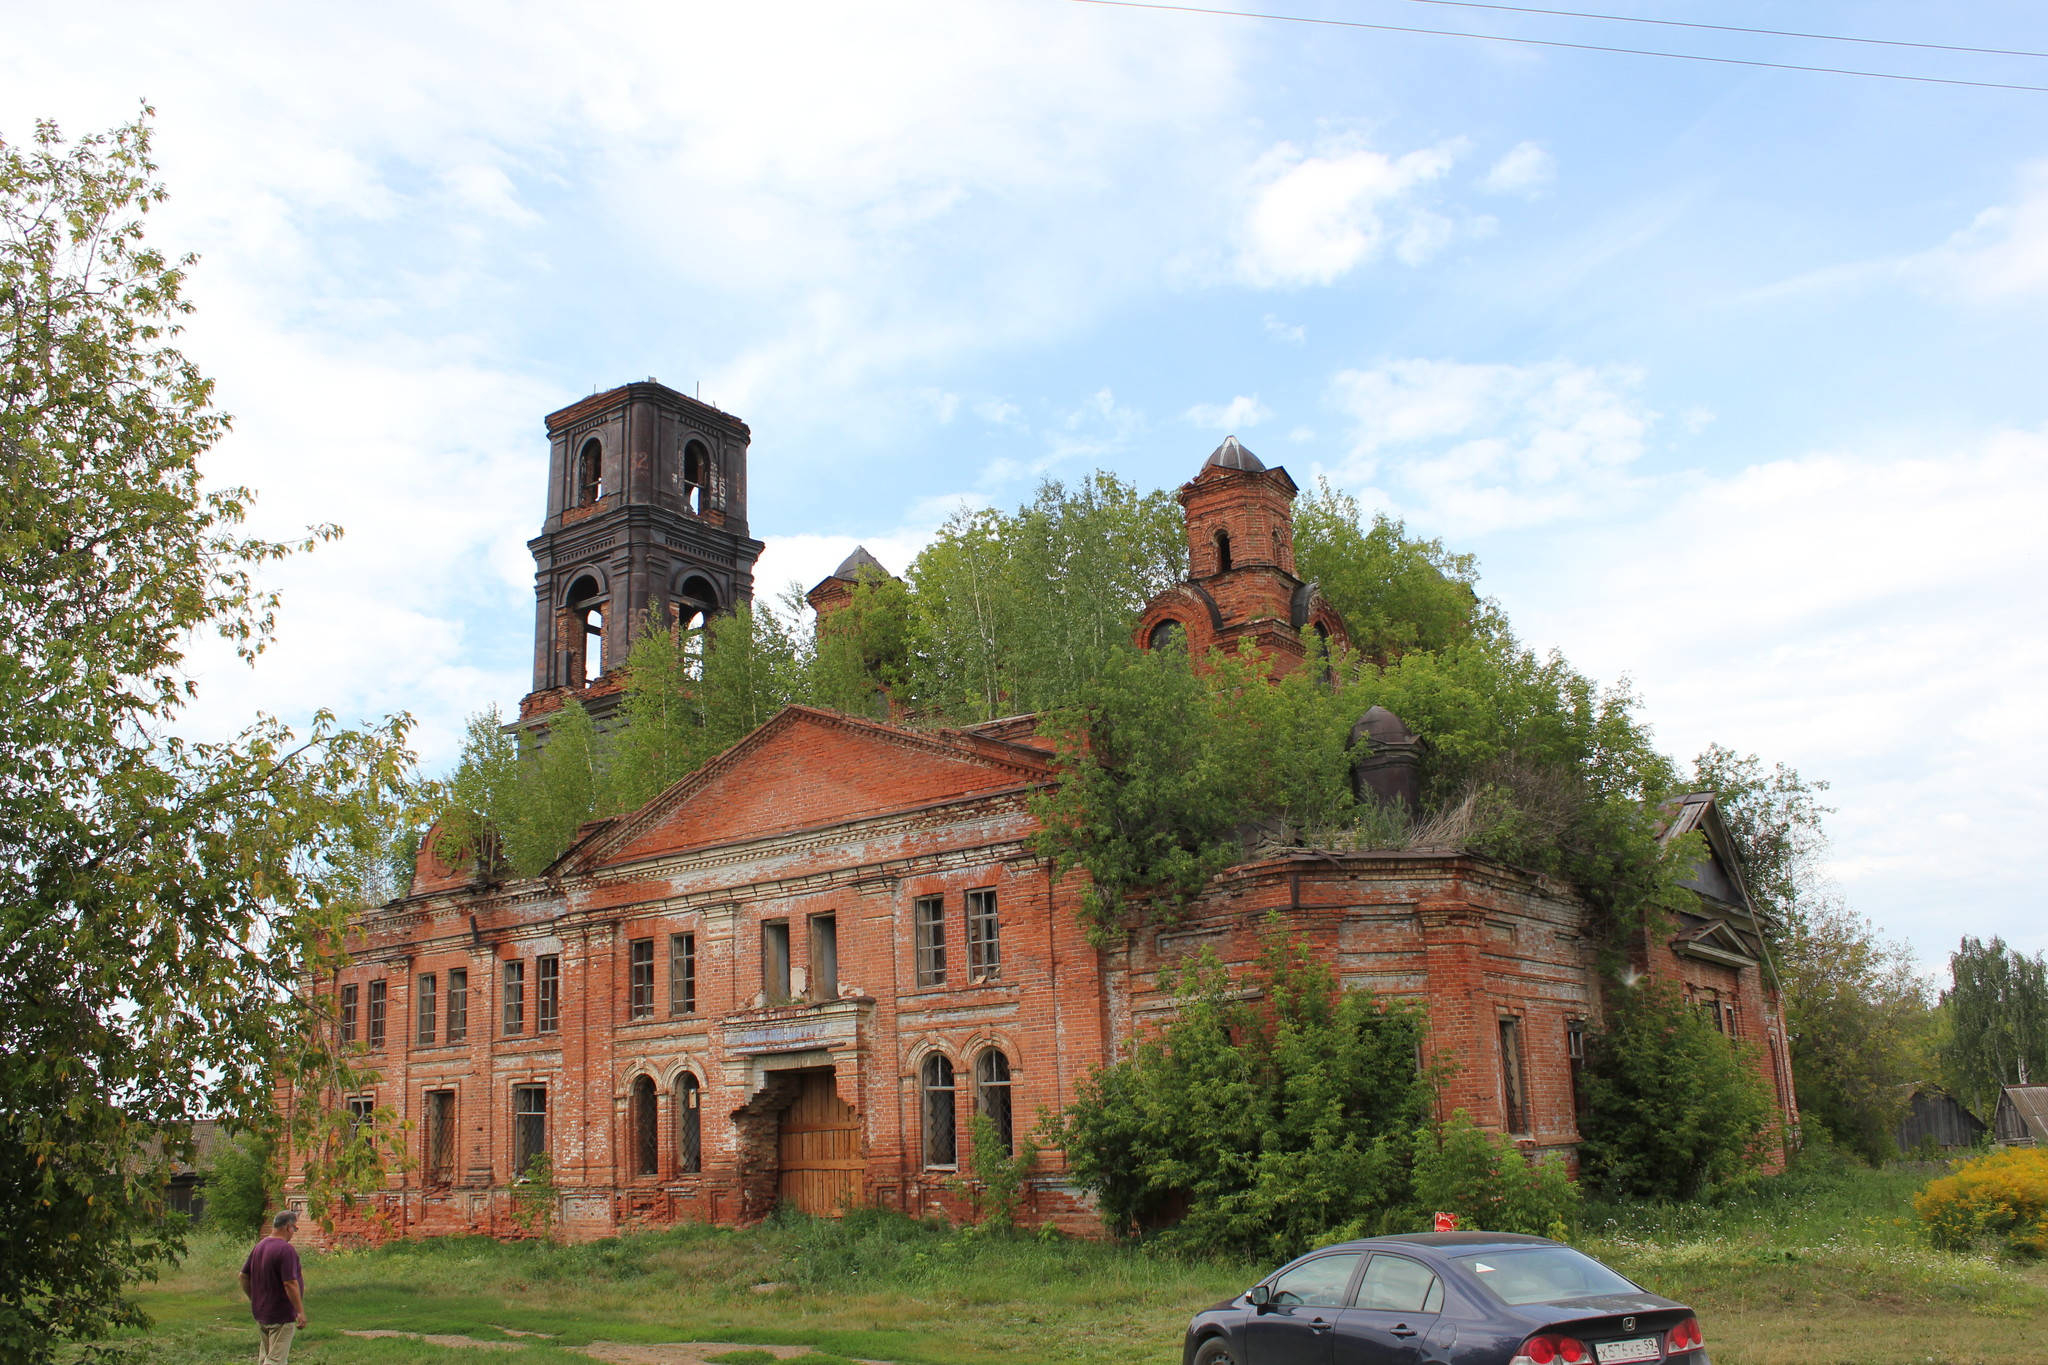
{"points": [[1685, 1337], [1552, 1350]]}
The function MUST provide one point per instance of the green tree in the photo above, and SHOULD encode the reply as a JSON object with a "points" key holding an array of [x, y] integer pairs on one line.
{"points": [[1997, 1019], [1264, 1116], [1396, 593], [242, 1185], [1671, 1105], [1775, 818], [1484, 1180], [160, 898]]}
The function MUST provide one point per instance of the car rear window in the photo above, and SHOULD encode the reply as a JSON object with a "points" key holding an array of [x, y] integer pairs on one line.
{"points": [[1540, 1274]]}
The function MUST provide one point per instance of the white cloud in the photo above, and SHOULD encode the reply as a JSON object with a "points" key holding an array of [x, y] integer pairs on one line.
{"points": [[1526, 170], [1292, 333], [1241, 413], [1312, 219], [1872, 618], [1478, 447], [2003, 254]]}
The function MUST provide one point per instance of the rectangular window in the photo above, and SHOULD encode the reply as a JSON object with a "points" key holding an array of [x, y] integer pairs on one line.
{"points": [[824, 957], [984, 937], [440, 1137], [929, 913], [514, 993], [361, 1110], [529, 1127], [775, 961], [348, 1013], [682, 973], [1575, 1054], [640, 1000], [377, 989], [429, 1008], [547, 1001], [458, 1006], [1514, 1112]]}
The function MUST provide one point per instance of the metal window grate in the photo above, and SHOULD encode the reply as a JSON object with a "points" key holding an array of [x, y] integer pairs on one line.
{"points": [[939, 1146], [529, 1126], [646, 1136], [547, 1002], [992, 1092], [640, 1004], [929, 913], [1514, 1111], [984, 937], [440, 1136], [689, 1125]]}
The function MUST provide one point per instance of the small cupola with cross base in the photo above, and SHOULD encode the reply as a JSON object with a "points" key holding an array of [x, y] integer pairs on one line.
{"points": [[1241, 582], [647, 508]]}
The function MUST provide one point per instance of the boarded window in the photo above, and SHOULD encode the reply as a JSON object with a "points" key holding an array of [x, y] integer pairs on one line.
{"points": [[429, 1008], [775, 961], [440, 1153], [547, 1001], [458, 1006], [646, 1136], [1514, 1110], [936, 1084], [992, 1092], [514, 992], [984, 937], [641, 966], [824, 983], [682, 973], [377, 1003], [529, 1127], [929, 913], [348, 1013], [689, 1125]]}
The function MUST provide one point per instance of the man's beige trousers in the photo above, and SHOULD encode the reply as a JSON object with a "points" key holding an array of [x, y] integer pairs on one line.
{"points": [[276, 1345]]}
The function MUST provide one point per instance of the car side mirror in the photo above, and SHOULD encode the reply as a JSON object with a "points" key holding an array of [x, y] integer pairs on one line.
{"points": [[1259, 1295]]}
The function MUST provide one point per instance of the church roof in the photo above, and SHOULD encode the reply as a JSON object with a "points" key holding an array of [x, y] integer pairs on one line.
{"points": [[850, 567], [1231, 455]]}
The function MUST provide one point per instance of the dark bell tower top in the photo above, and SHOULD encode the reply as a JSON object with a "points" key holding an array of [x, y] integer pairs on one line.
{"points": [[647, 504]]}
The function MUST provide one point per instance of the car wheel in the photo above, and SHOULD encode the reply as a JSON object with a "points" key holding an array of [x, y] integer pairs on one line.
{"points": [[1215, 1351]]}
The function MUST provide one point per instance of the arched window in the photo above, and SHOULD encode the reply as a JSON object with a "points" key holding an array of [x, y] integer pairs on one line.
{"points": [[689, 1124], [585, 632], [646, 1140], [696, 475], [1167, 635], [937, 1086], [696, 604], [589, 473], [1223, 552], [992, 1092]]}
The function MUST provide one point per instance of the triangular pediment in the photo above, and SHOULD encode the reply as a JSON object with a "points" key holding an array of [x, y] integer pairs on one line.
{"points": [[808, 768], [1717, 941]]}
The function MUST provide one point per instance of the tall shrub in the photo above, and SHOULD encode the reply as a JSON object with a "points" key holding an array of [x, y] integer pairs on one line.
{"points": [[2001, 1198], [1672, 1106], [1484, 1179], [1270, 1111]]}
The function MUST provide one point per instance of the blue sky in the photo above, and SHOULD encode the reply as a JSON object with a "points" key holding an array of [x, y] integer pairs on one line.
{"points": [[1732, 378]]}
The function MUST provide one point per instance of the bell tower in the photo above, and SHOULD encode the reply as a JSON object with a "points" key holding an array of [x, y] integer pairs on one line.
{"points": [[647, 507]]}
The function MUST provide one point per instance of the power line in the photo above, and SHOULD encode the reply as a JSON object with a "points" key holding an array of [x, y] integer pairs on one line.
{"points": [[1551, 42], [1729, 28]]}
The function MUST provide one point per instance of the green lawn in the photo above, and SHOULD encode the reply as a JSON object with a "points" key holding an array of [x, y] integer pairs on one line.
{"points": [[1811, 1268]]}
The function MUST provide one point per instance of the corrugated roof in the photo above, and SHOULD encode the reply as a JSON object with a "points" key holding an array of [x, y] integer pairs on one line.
{"points": [[2030, 1105]]}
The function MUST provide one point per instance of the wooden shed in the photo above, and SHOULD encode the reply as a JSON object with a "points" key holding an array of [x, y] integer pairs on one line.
{"points": [[2021, 1119], [1934, 1113]]}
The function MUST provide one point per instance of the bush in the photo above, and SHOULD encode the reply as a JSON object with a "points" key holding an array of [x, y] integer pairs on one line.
{"points": [[2001, 1198], [1259, 1118], [1671, 1105], [1485, 1180]]}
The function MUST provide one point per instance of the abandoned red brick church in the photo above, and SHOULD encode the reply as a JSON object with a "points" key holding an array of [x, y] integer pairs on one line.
{"points": [[795, 975]]}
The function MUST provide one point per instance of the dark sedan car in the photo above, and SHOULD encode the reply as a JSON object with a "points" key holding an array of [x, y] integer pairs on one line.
{"points": [[1445, 1298]]}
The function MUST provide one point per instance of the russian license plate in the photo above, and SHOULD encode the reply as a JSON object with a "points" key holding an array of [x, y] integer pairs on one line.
{"points": [[1635, 1348]]}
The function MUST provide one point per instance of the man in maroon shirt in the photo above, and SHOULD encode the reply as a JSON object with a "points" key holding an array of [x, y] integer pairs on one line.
{"points": [[276, 1290]]}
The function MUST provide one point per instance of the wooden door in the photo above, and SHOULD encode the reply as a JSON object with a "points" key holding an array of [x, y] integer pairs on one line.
{"points": [[819, 1149]]}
